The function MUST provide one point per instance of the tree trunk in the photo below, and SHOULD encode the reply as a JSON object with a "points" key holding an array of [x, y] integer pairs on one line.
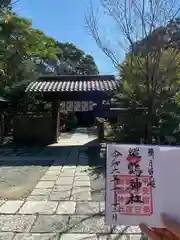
{"points": [[55, 120], [149, 123]]}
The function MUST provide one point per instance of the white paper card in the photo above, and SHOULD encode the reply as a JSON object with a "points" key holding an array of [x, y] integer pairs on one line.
{"points": [[77, 106], [140, 184], [169, 171], [84, 106], [69, 106]]}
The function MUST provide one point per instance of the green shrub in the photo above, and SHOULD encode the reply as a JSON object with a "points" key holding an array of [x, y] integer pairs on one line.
{"points": [[72, 121]]}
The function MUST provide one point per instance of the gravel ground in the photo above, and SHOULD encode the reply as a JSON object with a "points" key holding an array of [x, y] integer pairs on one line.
{"points": [[18, 179]]}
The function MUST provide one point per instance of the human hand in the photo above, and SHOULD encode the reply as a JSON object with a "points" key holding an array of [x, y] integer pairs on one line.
{"points": [[170, 232]]}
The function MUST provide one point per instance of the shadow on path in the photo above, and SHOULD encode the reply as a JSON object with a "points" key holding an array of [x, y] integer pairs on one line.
{"points": [[97, 161], [50, 155]]}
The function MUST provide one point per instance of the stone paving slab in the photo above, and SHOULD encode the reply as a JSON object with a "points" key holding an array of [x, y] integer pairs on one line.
{"points": [[66, 174], [69, 167], [87, 207], [102, 207], [98, 237], [45, 184], [71, 236], [40, 207], [49, 177], [60, 195], [36, 236], [66, 207], [64, 180], [55, 168], [39, 192], [68, 170], [37, 198], [126, 229], [81, 171], [58, 188], [119, 237], [81, 178], [53, 223], [81, 174], [55, 173], [98, 195], [88, 224], [81, 194], [6, 235], [10, 207], [52, 173], [16, 223], [81, 183]]}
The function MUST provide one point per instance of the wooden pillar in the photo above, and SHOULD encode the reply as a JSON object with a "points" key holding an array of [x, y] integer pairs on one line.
{"points": [[55, 120]]}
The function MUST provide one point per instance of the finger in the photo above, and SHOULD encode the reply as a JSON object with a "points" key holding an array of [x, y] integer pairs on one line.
{"points": [[171, 224], [149, 232]]}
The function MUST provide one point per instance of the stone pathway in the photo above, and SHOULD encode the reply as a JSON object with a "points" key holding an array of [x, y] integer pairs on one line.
{"points": [[79, 137], [60, 207]]}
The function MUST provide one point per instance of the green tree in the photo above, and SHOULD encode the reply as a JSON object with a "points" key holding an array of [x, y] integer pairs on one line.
{"points": [[135, 22], [158, 93], [72, 60], [22, 48]]}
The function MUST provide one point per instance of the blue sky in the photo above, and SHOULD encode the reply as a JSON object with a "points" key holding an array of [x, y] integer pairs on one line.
{"points": [[64, 20]]}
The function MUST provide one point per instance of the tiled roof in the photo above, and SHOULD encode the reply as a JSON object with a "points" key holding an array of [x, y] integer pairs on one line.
{"points": [[70, 83]]}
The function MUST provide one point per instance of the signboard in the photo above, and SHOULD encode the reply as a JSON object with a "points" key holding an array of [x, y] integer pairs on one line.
{"points": [[77, 106], [140, 184]]}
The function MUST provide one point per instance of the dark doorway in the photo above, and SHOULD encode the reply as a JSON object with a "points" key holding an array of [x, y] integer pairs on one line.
{"points": [[85, 119]]}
